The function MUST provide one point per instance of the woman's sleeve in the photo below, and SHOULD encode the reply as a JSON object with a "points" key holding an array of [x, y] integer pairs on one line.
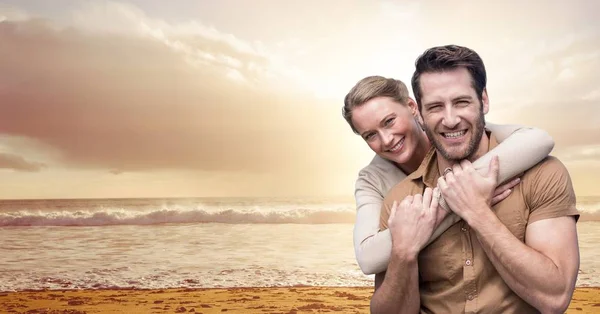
{"points": [[371, 247], [519, 148]]}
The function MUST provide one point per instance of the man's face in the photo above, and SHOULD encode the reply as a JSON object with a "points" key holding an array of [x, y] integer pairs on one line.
{"points": [[452, 113]]}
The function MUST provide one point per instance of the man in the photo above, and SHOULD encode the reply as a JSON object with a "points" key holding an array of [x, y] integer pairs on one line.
{"points": [[519, 256]]}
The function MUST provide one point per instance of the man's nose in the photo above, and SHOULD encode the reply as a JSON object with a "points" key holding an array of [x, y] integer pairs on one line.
{"points": [[451, 119]]}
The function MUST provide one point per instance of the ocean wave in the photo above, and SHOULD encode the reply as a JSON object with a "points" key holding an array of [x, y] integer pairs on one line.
{"points": [[108, 217], [590, 211]]}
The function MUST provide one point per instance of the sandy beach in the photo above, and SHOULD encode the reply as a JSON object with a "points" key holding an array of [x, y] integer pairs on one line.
{"points": [[226, 300]]}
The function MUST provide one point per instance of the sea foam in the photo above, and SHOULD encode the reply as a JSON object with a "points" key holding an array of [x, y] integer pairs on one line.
{"points": [[112, 216]]}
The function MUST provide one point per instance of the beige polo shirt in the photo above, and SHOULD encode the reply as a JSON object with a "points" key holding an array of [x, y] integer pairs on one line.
{"points": [[455, 275]]}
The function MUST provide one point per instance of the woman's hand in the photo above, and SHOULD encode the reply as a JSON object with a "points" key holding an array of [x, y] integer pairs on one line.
{"points": [[504, 191], [412, 221]]}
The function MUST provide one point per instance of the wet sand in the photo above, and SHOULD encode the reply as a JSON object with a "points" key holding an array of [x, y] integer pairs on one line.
{"points": [[226, 300]]}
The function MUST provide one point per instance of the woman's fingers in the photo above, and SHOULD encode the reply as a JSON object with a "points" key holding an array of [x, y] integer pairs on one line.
{"points": [[435, 199], [509, 185], [427, 199], [392, 212], [503, 191], [498, 198]]}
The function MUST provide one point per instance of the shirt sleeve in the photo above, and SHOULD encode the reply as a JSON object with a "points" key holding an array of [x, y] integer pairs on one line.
{"points": [[551, 192], [372, 247]]}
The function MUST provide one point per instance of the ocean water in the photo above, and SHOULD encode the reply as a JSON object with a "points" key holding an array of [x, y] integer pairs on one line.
{"points": [[163, 243]]}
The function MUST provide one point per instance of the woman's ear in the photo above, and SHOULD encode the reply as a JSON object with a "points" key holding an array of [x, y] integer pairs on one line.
{"points": [[414, 108]]}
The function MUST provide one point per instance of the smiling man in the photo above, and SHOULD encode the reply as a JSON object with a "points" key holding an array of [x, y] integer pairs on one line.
{"points": [[519, 256]]}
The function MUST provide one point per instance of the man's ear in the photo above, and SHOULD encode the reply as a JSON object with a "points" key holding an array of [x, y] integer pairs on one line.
{"points": [[419, 119], [485, 101], [419, 122]]}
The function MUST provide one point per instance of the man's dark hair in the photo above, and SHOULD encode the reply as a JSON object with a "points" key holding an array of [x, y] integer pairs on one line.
{"points": [[449, 57]]}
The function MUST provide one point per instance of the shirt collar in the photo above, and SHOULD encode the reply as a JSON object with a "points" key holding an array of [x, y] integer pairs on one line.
{"points": [[429, 172]]}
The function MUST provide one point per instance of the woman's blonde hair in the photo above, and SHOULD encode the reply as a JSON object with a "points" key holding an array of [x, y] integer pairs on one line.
{"points": [[371, 87]]}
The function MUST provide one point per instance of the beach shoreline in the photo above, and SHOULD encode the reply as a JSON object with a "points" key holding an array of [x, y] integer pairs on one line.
{"points": [[301, 299]]}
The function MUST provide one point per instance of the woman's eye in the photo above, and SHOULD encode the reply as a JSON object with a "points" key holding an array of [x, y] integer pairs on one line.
{"points": [[389, 121]]}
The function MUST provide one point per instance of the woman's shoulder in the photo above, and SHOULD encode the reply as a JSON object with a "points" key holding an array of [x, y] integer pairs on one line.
{"points": [[381, 173], [379, 164]]}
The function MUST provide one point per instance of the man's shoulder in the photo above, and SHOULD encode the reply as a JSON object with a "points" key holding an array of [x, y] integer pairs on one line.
{"points": [[548, 190], [547, 168]]}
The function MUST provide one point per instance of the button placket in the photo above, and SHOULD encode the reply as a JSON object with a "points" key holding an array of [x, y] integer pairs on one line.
{"points": [[468, 270]]}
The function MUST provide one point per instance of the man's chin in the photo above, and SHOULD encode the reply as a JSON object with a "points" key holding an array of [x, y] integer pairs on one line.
{"points": [[453, 154]]}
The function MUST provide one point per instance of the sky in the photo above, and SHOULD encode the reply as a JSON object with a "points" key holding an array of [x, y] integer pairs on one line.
{"points": [[184, 98]]}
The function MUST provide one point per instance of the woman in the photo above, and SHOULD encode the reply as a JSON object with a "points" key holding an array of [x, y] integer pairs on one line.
{"points": [[380, 110]]}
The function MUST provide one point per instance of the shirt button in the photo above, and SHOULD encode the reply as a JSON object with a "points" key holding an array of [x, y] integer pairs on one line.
{"points": [[463, 229], [470, 297], [468, 262]]}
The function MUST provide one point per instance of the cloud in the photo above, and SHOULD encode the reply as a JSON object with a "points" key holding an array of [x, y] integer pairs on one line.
{"points": [[572, 123], [593, 95], [582, 153], [552, 85], [10, 161], [110, 87], [124, 102], [399, 11], [115, 171], [199, 44], [9, 13]]}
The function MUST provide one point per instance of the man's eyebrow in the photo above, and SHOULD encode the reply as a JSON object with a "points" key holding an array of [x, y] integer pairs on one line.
{"points": [[463, 97], [428, 104]]}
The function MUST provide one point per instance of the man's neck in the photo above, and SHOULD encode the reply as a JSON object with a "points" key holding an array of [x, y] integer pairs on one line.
{"points": [[482, 149]]}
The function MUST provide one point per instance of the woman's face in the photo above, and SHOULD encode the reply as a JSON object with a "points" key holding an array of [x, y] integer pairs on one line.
{"points": [[389, 128]]}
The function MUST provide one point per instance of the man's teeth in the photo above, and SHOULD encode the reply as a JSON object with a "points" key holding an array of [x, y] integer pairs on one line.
{"points": [[454, 134]]}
